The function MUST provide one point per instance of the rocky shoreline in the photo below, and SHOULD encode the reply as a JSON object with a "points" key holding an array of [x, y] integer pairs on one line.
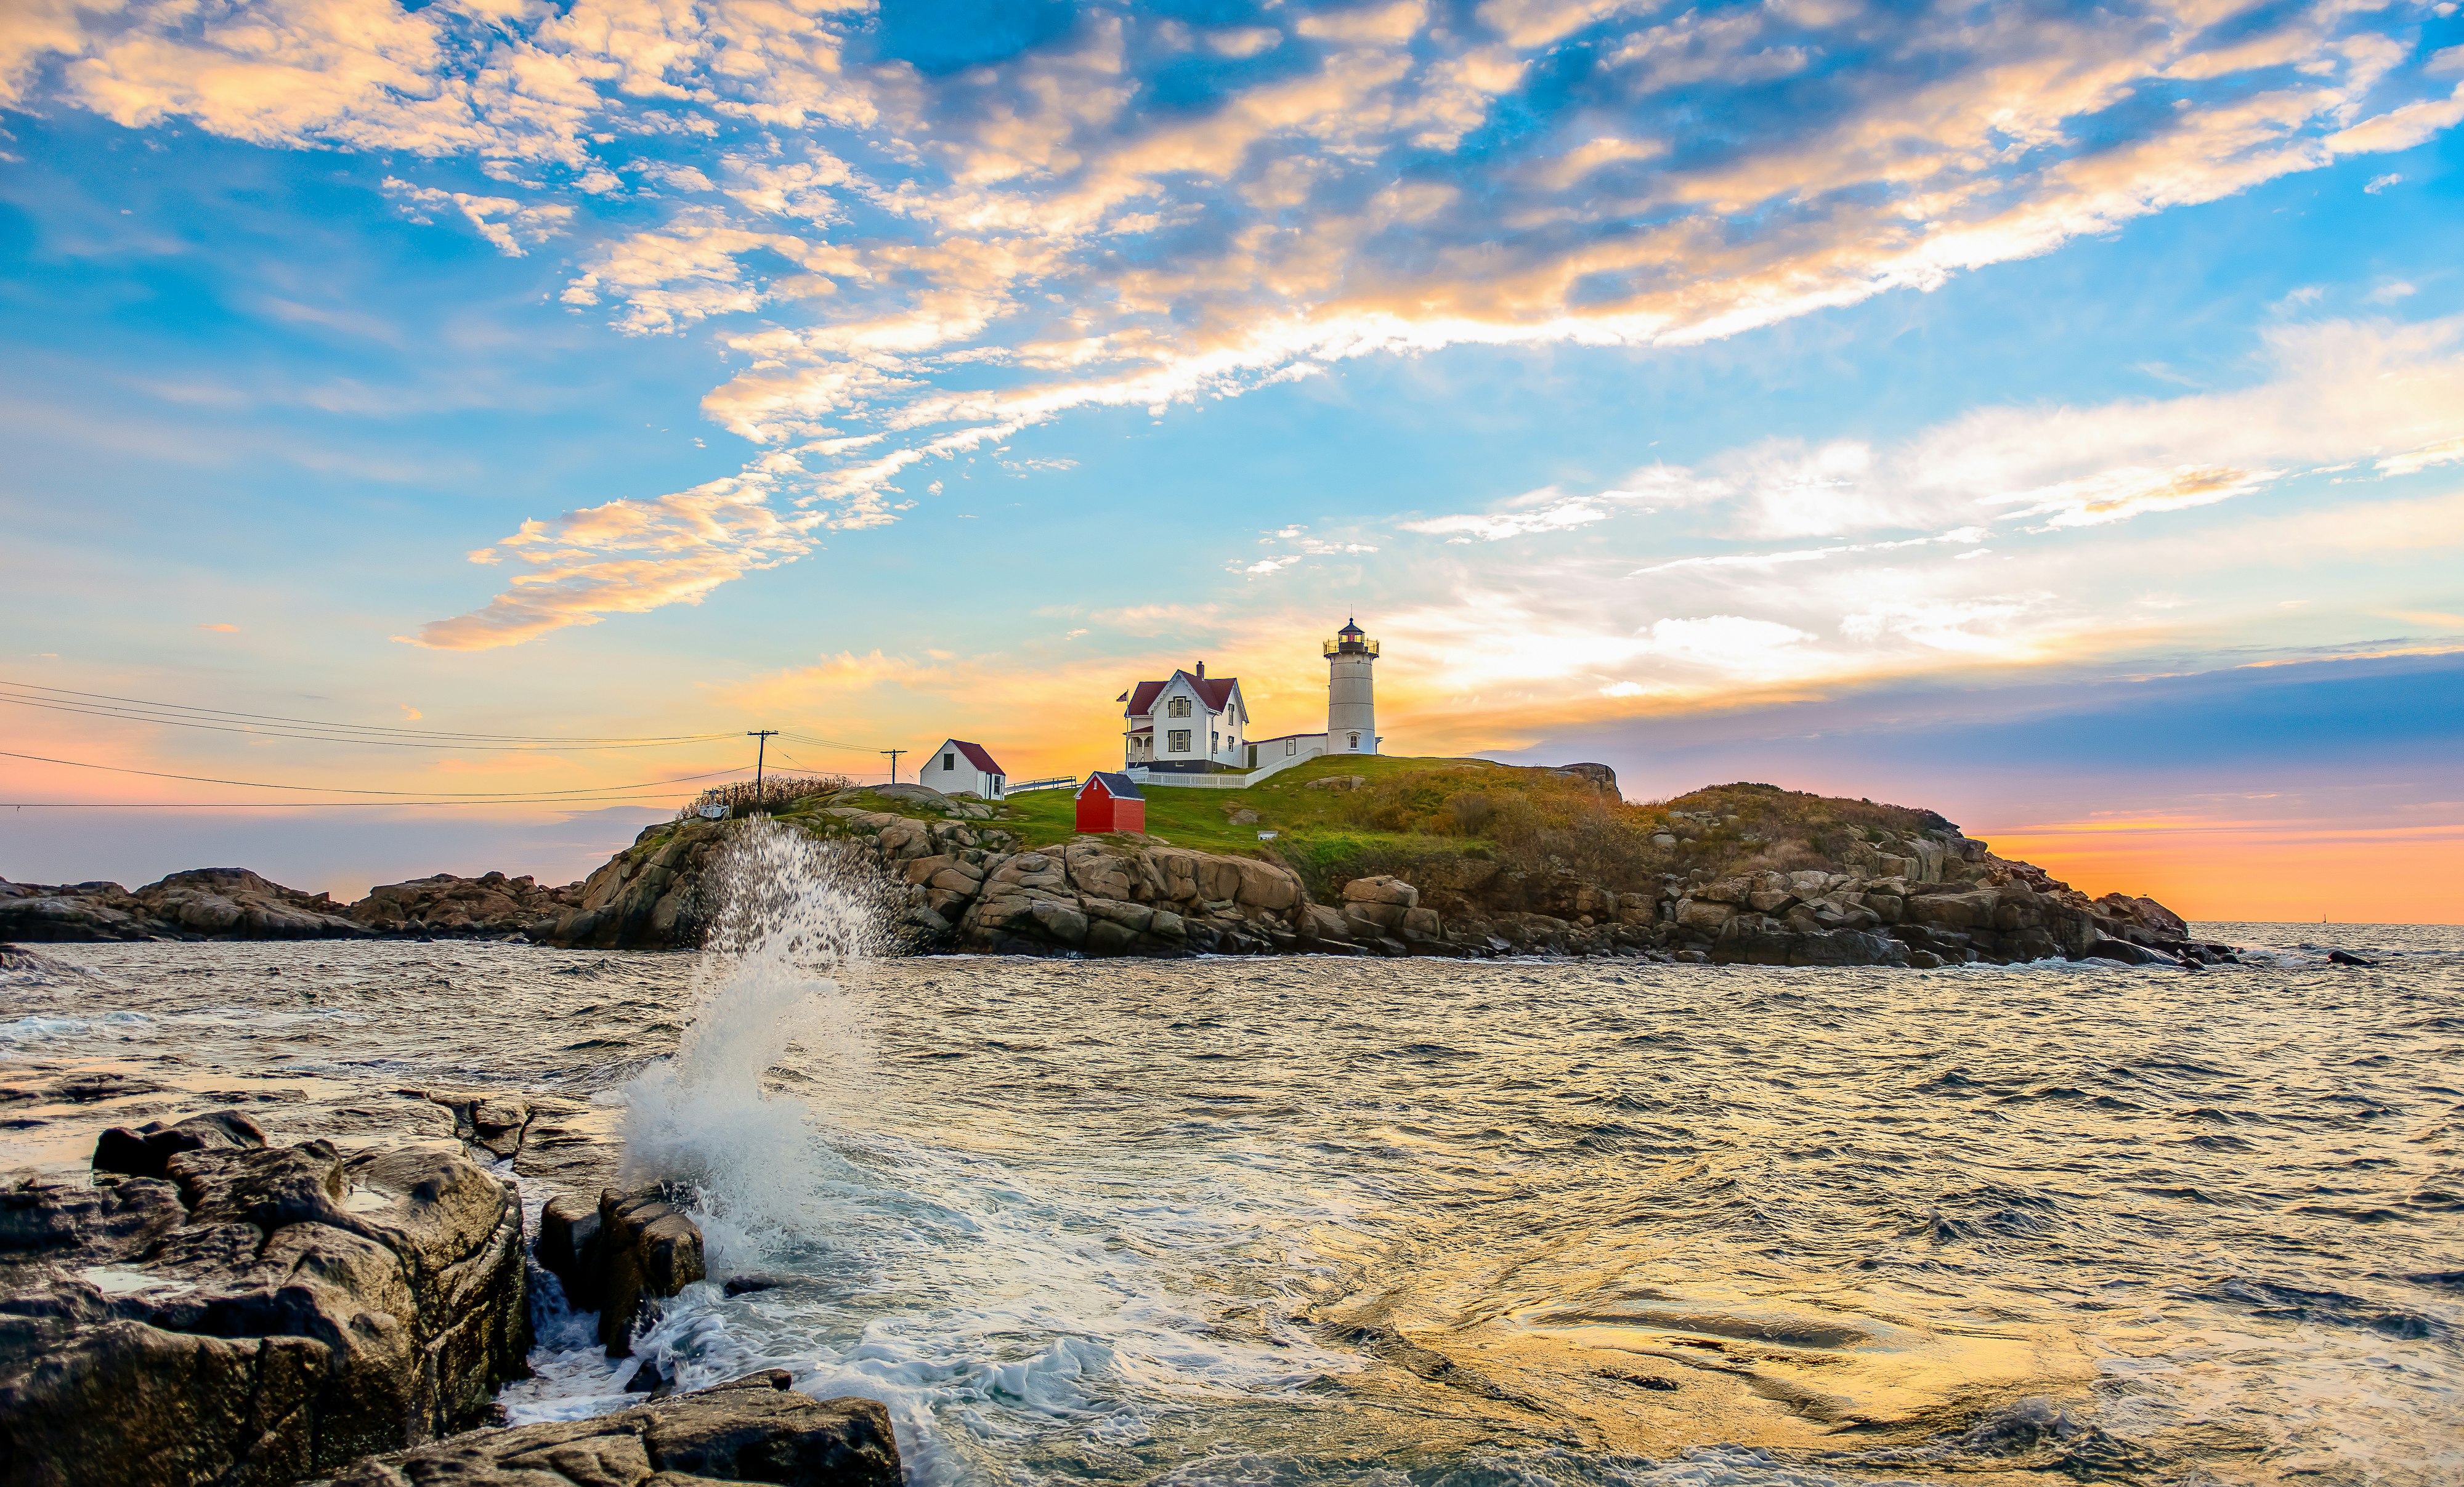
{"points": [[209, 1307]]}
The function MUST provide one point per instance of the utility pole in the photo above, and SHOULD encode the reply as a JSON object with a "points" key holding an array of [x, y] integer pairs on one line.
{"points": [[760, 750], [893, 762]]}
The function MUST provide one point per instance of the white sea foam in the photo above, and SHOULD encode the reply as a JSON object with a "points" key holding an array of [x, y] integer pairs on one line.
{"points": [[789, 910]]}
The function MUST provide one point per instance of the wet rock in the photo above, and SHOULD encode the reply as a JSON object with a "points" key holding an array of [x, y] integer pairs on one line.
{"points": [[257, 1316], [147, 1151], [620, 1257], [2123, 950], [2340, 957], [568, 1249], [751, 1429], [754, 1281]]}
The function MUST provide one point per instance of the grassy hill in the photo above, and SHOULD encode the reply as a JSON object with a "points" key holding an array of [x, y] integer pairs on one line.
{"points": [[1405, 814]]}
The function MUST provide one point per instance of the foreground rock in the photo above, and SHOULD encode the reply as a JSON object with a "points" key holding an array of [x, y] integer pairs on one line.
{"points": [[147, 1151], [206, 904], [620, 1257], [257, 1316], [753, 1430], [545, 1137]]}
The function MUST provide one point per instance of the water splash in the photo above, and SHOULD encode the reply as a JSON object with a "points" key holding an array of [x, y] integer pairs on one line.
{"points": [[792, 913]]}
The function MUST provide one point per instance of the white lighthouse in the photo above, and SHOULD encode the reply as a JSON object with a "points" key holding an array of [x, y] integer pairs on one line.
{"points": [[1350, 694]]}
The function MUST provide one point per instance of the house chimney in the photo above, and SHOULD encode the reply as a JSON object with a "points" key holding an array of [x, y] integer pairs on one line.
{"points": [[1201, 671]]}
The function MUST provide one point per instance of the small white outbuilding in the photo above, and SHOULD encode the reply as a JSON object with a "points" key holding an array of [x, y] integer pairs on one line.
{"points": [[958, 765]]}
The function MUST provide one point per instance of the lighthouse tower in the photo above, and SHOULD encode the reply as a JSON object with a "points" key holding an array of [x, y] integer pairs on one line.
{"points": [[1351, 698]]}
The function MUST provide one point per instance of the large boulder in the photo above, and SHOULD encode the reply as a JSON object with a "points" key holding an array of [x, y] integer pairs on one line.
{"points": [[647, 897], [620, 1257], [751, 1429], [147, 1151], [257, 1316], [233, 902]]}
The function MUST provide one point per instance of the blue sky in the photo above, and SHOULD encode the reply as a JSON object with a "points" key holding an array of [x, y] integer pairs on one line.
{"points": [[1633, 371]]}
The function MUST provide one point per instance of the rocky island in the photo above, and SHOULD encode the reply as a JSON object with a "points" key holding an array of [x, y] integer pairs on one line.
{"points": [[1371, 856], [1416, 857]]}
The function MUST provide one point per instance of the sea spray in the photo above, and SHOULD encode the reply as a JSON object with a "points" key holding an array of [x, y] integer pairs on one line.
{"points": [[792, 914]]}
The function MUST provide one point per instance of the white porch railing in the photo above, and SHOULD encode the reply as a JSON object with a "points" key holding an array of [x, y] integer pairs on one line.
{"points": [[1142, 775]]}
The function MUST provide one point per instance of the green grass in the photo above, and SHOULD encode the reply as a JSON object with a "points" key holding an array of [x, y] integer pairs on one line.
{"points": [[1309, 821]]}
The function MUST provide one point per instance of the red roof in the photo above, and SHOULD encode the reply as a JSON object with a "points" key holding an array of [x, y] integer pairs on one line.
{"points": [[1215, 692], [977, 757]]}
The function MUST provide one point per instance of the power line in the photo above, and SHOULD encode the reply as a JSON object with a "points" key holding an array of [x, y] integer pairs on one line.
{"points": [[184, 714], [353, 739], [830, 743], [302, 806], [473, 795]]}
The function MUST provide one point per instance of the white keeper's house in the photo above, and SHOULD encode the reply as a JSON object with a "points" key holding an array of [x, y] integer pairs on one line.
{"points": [[960, 765], [1191, 729]]}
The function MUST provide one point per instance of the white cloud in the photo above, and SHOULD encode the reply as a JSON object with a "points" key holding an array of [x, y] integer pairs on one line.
{"points": [[2446, 451], [1557, 512], [509, 223], [1731, 645], [1109, 247]]}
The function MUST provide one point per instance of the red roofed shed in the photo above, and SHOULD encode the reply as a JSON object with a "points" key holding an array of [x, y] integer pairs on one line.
{"points": [[1109, 802]]}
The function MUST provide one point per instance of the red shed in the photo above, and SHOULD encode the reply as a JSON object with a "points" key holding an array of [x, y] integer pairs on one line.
{"points": [[1110, 802]]}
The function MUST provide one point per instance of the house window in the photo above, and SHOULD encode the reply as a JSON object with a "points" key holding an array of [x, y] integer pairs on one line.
{"points": [[1177, 707], [1291, 746], [1177, 740], [949, 761], [1214, 743], [1356, 740]]}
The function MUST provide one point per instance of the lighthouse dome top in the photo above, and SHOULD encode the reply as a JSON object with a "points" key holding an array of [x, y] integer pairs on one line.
{"points": [[1351, 640]]}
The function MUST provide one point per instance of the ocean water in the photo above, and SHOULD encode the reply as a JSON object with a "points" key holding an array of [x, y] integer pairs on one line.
{"points": [[1318, 1220]]}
